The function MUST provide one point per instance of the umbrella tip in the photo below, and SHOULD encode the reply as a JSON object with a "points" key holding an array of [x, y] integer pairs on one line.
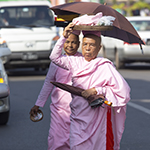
{"points": [[141, 49]]}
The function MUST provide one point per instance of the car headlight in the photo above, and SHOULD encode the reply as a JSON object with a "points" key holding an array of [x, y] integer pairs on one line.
{"points": [[3, 77], [2, 43], [148, 42]]}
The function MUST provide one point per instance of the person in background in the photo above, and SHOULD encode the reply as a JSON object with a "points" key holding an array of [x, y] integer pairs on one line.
{"points": [[98, 128], [58, 138], [42, 18], [5, 18]]}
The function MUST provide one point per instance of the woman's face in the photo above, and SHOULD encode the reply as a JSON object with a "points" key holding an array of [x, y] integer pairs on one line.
{"points": [[71, 45], [90, 47]]}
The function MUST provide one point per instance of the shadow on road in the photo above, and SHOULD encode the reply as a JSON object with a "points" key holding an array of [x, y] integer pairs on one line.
{"points": [[26, 72], [138, 66]]}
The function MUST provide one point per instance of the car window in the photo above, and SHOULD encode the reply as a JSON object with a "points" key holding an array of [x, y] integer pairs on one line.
{"points": [[143, 25], [26, 15]]}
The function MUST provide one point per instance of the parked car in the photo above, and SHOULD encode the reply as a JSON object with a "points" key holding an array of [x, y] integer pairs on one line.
{"points": [[29, 30], [121, 52], [4, 87]]}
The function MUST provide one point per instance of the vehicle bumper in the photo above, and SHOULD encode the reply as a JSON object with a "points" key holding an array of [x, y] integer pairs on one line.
{"points": [[134, 53], [4, 104], [28, 59]]}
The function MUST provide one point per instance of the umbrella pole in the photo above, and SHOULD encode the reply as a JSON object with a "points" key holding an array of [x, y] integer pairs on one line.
{"points": [[141, 49]]}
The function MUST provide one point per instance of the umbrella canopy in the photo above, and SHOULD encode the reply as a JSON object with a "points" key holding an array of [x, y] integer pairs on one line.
{"points": [[122, 28], [94, 100]]}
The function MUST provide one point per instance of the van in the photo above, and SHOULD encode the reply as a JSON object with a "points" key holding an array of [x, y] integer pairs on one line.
{"points": [[29, 31]]}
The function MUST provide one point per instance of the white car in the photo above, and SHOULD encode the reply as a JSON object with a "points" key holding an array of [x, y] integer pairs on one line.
{"points": [[121, 52], [4, 87], [29, 30]]}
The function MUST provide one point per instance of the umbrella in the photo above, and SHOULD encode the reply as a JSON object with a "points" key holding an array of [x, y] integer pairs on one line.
{"points": [[122, 28], [94, 100]]}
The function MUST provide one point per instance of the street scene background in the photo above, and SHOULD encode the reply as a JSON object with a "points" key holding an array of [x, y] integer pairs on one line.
{"points": [[22, 134]]}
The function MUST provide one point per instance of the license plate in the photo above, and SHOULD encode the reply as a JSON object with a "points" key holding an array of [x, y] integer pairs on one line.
{"points": [[29, 56]]}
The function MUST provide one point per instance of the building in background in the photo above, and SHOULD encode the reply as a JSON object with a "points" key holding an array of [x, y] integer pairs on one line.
{"points": [[57, 2]]}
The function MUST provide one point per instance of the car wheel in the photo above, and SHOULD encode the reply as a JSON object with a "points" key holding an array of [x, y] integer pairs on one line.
{"points": [[4, 116], [119, 64]]}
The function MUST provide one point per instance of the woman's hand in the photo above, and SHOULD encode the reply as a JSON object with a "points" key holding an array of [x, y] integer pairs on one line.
{"points": [[34, 110], [68, 30], [89, 92]]}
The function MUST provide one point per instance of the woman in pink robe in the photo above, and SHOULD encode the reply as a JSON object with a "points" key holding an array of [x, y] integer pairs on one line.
{"points": [[58, 138], [89, 127]]}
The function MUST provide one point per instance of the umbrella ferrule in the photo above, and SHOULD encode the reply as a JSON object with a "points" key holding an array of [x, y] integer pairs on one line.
{"points": [[141, 48]]}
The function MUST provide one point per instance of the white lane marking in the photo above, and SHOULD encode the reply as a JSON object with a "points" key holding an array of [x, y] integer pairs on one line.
{"points": [[141, 108]]}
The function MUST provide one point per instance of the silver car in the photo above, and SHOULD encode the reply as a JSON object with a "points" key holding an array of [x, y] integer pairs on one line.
{"points": [[121, 52], [4, 87]]}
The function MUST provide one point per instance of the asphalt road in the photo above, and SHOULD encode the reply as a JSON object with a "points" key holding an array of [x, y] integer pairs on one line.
{"points": [[22, 134]]}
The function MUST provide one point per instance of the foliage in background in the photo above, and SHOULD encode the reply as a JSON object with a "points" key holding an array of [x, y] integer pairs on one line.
{"points": [[140, 5], [132, 7]]}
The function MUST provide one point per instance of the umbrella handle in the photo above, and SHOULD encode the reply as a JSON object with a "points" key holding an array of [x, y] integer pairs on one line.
{"points": [[108, 103]]}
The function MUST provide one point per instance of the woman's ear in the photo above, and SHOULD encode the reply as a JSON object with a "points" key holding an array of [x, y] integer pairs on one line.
{"points": [[100, 48]]}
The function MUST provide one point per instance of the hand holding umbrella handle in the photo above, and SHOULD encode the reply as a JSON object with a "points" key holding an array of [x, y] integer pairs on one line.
{"points": [[98, 100], [90, 95], [93, 100]]}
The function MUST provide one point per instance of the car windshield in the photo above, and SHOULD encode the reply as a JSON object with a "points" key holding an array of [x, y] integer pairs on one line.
{"points": [[26, 16], [142, 25]]}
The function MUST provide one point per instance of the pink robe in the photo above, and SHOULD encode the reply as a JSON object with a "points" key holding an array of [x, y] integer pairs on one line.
{"points": [[59, 131], [88, 126]]}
